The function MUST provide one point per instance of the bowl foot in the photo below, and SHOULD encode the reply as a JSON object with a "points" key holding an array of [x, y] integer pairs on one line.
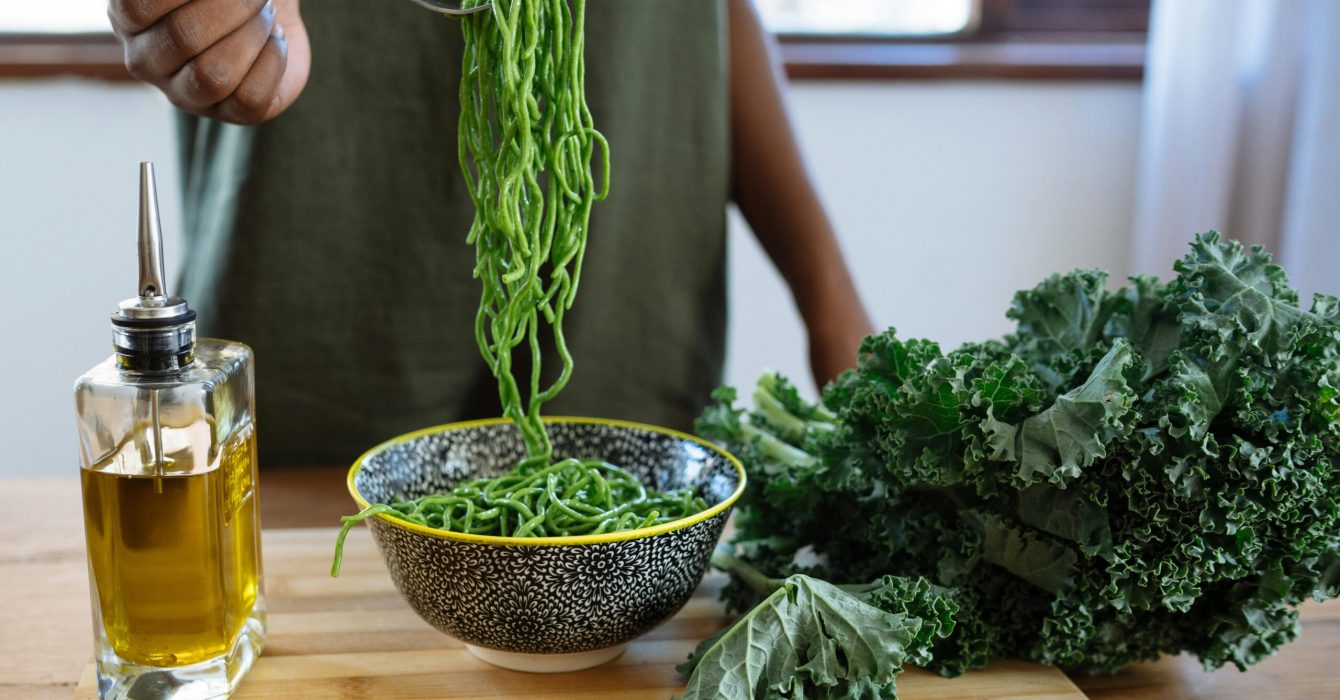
{"points": [[545, 663]]}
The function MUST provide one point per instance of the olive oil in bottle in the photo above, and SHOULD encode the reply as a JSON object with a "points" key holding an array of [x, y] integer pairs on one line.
{"points": [[168, 470], [211, 555]]}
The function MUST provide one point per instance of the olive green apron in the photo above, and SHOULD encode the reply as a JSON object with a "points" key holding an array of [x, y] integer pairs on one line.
{"points": [[332, 239]]}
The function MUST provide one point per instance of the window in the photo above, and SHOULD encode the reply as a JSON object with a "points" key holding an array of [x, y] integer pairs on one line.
{"points": [[869, 17], [821, 39], [975, 39], [1091, 18], [970, 20], [61, 17]]}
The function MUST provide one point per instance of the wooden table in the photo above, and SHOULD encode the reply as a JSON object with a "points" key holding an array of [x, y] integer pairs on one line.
{"points": [[45, 642]]}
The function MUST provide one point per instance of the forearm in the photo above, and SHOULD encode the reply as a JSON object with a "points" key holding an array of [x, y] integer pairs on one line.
{"points": [[772, 187]]}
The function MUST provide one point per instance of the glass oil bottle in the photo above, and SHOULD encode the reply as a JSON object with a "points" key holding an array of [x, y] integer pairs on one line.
{"points": [[167, 448]]}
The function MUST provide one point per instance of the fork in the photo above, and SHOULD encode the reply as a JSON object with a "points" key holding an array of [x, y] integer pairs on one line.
{"points": [[453, 9]]}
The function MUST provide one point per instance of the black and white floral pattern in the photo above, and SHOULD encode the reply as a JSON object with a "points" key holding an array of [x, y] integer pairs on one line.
{"points": [[561, 598]]}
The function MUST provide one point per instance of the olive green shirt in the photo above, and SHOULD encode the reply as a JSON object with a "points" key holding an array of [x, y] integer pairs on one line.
{"points": [[332, 238]]}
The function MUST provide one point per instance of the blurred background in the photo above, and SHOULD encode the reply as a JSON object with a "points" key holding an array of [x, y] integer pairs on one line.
{"points": [[965, 149]]}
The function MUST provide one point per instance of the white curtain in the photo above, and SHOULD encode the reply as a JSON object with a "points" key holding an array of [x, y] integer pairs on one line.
{"points": [[1241, 132]]}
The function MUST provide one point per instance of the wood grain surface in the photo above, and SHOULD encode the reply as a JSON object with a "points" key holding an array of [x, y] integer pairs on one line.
{"points": [[353, 637]]}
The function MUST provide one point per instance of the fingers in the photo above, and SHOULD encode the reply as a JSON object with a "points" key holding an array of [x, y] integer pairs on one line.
{"points": [[242, 61], [217, 72], [176, 38], [130, 17], [254, 99]]}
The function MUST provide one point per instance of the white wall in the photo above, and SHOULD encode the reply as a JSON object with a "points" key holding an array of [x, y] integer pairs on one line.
{"points": [[69, 202], [948, 198]]}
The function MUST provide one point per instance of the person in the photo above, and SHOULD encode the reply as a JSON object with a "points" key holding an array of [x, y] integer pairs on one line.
{"points": [[325, 213]]}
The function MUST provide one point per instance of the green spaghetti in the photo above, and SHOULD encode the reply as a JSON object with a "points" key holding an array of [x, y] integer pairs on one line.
{"points": [[566, 499], [526, 147]]}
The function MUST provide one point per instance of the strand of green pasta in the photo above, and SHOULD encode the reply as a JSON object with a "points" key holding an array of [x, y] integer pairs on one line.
{"points": [[527, 142], [568, 498]]}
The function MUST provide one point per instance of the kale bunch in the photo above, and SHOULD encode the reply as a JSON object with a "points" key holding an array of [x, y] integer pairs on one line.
{"points": [[1129, 474]]}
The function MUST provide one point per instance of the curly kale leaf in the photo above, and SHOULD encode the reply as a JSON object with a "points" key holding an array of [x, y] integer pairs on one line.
{"points": [[1145, 316], [1074, 432], [808, 639], [1062, 314], [1239, 297]]}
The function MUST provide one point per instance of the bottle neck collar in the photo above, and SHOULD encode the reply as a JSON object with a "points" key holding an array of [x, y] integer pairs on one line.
{"points": [[154, 348]]}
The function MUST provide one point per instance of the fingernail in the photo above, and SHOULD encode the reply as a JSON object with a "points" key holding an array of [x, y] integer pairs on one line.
{"points": [[278, 34]]}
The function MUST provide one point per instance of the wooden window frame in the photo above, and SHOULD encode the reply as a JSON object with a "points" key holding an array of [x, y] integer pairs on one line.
{"points": [[95, 55], [1009, 40]]}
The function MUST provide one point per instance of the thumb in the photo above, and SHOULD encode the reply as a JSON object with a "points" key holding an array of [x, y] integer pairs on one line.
{"points": [[288, 21]]}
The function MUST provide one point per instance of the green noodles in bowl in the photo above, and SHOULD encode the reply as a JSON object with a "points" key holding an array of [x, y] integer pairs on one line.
{"points": [[550, 602]]}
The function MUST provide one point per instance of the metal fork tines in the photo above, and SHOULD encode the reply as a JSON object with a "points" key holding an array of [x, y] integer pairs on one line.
{"points": [[450, 8]]}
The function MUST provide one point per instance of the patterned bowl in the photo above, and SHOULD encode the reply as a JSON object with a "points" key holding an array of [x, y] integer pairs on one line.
{"points": [[546, 603]]}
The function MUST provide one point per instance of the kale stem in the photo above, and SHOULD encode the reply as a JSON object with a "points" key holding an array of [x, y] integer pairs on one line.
{"points": [[760, 583]]}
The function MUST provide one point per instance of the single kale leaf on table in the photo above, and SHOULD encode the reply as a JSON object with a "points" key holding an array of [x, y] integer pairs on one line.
{"points": [[811, 639], [1131, 473]]}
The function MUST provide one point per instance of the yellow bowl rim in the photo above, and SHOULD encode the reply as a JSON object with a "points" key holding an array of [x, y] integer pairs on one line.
{"points": [[619, 536]]}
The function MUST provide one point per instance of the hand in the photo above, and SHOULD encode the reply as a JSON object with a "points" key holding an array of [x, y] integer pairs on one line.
{"points": [[240, 61], [835, 339]]}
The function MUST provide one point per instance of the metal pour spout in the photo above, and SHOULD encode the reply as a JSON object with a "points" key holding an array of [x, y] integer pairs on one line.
{"points": [[152, 332], [151, 237]]}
